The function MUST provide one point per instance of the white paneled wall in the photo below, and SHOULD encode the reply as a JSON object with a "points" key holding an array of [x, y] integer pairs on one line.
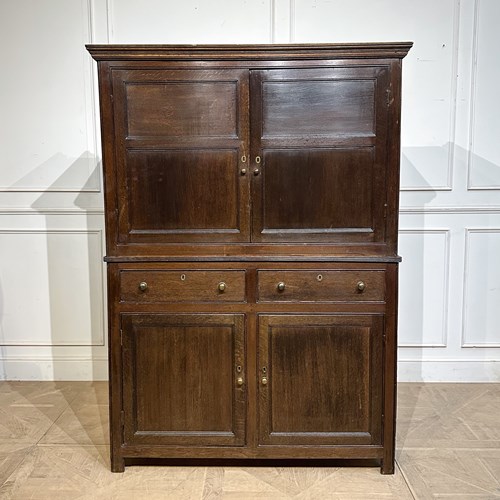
{"points": [[52, 287]]}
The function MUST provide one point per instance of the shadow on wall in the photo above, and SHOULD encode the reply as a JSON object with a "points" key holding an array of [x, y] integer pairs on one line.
{"points": [[74, 273], [64, 298]]}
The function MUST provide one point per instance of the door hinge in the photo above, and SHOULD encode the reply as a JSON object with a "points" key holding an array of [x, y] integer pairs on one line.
{"points": [[121, 337], [122, 418], [385, 210]]}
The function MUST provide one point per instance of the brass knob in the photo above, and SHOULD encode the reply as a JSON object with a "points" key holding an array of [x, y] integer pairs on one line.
{"points": [[143, 286], [280, 286], [361, 285], [257, 159], [256, 171], [243, 171], [239, 381], [221, 286], [264, 380]]}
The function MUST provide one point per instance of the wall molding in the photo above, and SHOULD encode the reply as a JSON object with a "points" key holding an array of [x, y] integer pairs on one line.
{"points": [[50, 211], [91, 121], [102, 313], [446, 287], [453, 110], [472, 98], [478, 209], [463, 342]]}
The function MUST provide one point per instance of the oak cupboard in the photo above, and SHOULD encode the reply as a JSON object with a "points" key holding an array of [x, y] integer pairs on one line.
{"points": [[251, 199]]}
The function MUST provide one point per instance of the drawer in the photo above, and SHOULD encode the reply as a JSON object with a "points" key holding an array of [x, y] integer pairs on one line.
{"points": [[182, 286], [321, 286]]}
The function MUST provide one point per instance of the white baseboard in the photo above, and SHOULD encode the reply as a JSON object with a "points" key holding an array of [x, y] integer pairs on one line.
{"points": [[54, 369], [449, 371]]}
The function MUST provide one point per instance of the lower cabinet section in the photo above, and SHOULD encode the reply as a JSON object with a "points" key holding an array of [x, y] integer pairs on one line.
{"points": [[250, 379]]}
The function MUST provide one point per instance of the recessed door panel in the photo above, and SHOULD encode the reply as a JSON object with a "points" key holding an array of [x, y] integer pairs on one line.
{"points": [[183, 109], [179, 193], [318, 107], [318, 191]]}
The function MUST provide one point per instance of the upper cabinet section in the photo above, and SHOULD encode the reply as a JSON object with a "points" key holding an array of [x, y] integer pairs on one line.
{"points": [[244, 148]]}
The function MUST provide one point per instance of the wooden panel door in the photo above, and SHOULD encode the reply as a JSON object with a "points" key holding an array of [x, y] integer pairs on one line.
{"points": [[181, 139], [320, 379], [320, 135], [184, 379]]}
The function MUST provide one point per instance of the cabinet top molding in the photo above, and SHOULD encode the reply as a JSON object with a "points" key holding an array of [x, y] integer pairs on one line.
{"points": [[384, 50]]}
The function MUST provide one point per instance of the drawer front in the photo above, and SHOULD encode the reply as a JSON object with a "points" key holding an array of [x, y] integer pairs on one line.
{"points": [[321, 286], [182, 286]]}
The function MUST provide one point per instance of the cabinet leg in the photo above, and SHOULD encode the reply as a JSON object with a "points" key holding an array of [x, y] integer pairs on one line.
{"points": [[117, 462], [387, 466]]}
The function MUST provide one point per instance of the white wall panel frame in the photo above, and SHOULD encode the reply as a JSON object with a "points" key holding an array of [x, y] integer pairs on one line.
{"points": [[102, 313], [465, 342], [93, 183], [441, 339], [448, 185], [472, 156], [254, 30]]}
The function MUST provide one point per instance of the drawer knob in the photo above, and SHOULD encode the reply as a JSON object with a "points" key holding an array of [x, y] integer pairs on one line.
{"points": [[143, 286], [256, 171], [281, 286], [239, 381], [361, 285], [221, 286], [264, 380]]}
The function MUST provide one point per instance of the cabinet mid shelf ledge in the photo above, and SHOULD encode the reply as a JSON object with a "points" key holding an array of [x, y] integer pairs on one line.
{"points": [[251, 202]]}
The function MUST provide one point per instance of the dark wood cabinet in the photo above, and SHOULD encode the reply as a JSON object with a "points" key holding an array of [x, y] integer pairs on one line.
{"points": [[251, 197]]}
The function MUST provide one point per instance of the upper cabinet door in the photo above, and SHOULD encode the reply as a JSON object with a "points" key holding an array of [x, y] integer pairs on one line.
{"points": [[180, 145], [320, 135]]}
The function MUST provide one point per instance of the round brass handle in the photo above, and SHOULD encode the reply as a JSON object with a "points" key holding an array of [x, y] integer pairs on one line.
{"points": [[239, 380], [243, 171], [143, 286], [264, 380], [256, 171], [361, 285], [221, 286], [280, 286]]}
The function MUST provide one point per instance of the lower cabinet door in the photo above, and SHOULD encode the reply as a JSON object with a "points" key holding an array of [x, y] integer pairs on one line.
{"points": [[320, 379], [184, 379]]}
